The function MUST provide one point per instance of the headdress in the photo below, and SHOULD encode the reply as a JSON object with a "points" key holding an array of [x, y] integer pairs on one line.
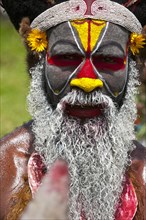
{"points": [[44, 14], [95, 9], [18, 9]]}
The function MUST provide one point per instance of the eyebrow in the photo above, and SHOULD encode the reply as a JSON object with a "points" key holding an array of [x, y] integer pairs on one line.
{"points": [[112, 43], [64, 43]]}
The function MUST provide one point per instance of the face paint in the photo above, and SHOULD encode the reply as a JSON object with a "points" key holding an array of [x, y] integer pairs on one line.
{"points": [[63, 61], [86, 145], [89, 32], [108, 63], [86, 49]]}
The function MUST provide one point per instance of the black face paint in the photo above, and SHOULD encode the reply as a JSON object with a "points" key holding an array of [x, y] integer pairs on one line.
{"points": [[66, 58]]}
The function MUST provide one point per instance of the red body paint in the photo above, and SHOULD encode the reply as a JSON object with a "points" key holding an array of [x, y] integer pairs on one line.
{"points": [[36, 172], [63, 61], [88, 3], [89, 38], [126, 208], [128, 203], [87, 70], [102, 63]]}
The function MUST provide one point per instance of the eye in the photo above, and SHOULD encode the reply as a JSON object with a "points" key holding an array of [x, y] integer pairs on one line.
{"points": [[108, 59], [108, 63], [65, 60], [68, 57]]}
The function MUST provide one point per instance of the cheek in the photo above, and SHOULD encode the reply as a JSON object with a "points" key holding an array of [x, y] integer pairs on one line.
{"points": [[57, 77], [115, 81]]}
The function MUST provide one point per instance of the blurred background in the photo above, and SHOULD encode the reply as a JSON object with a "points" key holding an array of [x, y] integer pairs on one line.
{"points": [[14, 84], [14, 80]]}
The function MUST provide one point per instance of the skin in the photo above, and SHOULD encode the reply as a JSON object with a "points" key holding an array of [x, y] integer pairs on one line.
{"points": [[16, 149], [63, 46]]}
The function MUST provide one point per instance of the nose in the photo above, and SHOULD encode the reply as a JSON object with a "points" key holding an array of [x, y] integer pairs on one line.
{"points": [[86, 78], [87, 84]]}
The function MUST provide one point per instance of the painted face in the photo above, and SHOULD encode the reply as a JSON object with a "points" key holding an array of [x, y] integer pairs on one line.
{"points": [[87, 55]]}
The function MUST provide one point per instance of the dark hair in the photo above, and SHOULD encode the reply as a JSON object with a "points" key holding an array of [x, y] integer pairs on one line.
{"points": [[138, 8], [18, 9]]}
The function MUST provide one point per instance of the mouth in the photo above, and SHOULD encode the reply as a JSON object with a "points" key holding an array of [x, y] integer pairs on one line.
{"points": [[84, 111]]}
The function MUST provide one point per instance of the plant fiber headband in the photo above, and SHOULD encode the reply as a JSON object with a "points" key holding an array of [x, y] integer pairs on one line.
{"points": [[81, 9]]}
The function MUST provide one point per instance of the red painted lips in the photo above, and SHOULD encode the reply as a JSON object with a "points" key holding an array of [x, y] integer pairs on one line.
{"points": [[84, 112]]}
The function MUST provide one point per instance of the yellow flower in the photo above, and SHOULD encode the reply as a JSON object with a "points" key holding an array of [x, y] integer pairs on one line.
{"points": [[136, 42], [37, 40]]}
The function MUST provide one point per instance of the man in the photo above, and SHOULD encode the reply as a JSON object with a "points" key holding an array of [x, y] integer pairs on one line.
{"points": [[84, 80]]}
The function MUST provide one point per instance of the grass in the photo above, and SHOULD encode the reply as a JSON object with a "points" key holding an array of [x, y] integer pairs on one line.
{"points": [[14, 80]]}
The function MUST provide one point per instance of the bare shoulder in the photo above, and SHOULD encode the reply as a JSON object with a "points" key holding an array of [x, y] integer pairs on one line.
{"points": [[22, 134], [16, 149]]}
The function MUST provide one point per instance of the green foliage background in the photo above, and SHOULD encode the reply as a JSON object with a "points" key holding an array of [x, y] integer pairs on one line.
{"points": [[14, 80]]}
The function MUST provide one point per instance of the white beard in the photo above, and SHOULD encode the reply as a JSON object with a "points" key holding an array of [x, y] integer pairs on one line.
{"points": [[96, 149]]}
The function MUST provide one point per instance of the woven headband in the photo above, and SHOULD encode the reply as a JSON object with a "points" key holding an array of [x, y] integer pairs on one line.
{"points": [[81, 9]]}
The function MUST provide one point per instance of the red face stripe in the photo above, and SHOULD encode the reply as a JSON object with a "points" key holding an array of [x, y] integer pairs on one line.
{"points": [[89, 37], [65, 60], [87, 71], [88, 3], [108, 63]]}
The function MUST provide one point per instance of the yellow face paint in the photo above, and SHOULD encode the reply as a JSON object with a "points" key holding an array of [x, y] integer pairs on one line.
{"points": [[87, 84], [116, 93], [89, 32], [125, 60]]}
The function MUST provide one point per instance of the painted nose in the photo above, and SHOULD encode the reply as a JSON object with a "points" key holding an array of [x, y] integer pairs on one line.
{"points": [[86, 78], [86, 84]]}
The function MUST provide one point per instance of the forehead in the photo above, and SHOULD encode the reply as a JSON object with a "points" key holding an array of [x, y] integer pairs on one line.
{"points": [[87, 33]]}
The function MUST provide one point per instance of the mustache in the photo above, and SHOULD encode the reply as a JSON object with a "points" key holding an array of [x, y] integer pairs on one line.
{"points": [[78, 97]]}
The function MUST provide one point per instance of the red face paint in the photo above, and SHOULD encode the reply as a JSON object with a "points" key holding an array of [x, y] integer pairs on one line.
{"points": [[108, 63], [88, 3], [64, 60], [87, 71]]}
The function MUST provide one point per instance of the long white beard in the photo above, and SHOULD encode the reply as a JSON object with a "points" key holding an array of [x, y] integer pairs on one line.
{"points": [[96, 149]]}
